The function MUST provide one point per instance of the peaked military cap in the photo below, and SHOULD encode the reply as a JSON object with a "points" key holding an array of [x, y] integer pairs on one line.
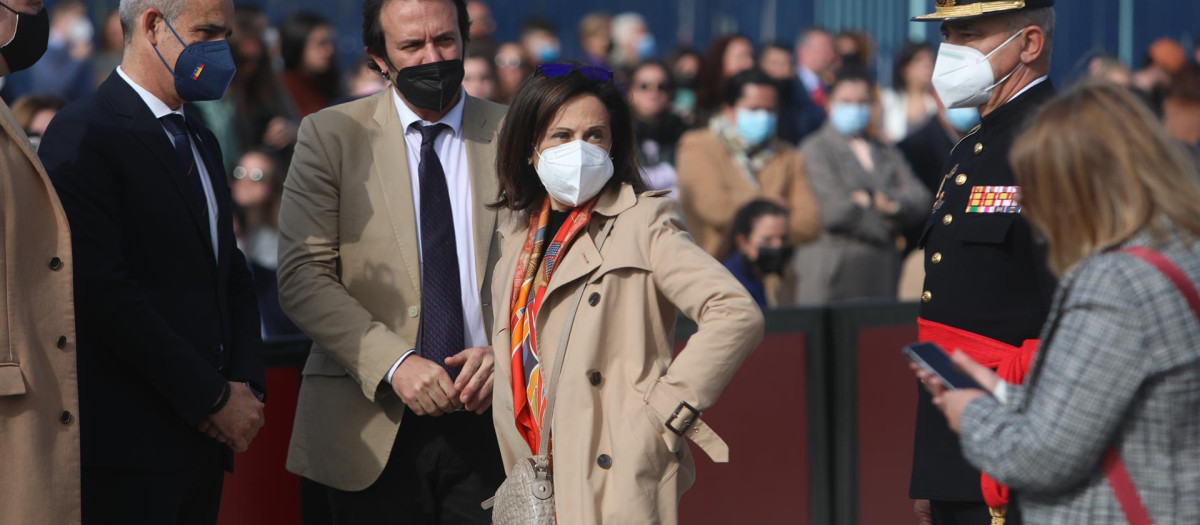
{"points": [[950, 10]]}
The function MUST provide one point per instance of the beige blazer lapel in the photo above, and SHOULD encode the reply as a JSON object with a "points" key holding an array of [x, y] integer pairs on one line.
{"points": [[390, 169], [478, 134]]}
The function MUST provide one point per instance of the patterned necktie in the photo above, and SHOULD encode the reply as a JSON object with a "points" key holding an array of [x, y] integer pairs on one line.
{"points": [[176, 126], [441, 294]]}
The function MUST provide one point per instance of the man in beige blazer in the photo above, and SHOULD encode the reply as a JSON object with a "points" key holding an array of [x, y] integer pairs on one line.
{"points": [[39, 402], [386, 253]]}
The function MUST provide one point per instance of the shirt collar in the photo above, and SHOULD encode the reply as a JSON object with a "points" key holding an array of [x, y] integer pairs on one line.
{"points": [[809, 77], [158, 107], [1031, 85], [453, 119]]}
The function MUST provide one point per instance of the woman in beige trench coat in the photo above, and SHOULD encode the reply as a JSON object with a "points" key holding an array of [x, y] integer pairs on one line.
{"points": [[617, 451], [39, 400]]}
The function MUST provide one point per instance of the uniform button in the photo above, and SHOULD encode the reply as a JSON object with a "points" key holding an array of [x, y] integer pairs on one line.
{"points": [[56, 264], [978, 148], [927, 296], [594, 377], [947, 219], [604, 461], [66, 418], [937, 258], [62, 341], [960, 180], [594, 299], [413, 311]]}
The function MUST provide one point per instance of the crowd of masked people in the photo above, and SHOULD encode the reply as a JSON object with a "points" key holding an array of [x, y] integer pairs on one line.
{"points": [[473, 233], [799, 168]]}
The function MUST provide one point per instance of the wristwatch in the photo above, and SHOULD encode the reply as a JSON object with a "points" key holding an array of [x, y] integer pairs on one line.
{"points": [[262, 396]]}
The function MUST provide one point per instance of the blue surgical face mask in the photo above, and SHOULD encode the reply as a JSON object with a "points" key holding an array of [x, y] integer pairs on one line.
{"points": [[755, 126], [203, 70], [548, 53], [850, 119], [647, 47], [963, 119]]}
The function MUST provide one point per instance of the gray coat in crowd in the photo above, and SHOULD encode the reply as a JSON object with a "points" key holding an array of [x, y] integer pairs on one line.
{"points": [[856, 255], [1119, 364]]}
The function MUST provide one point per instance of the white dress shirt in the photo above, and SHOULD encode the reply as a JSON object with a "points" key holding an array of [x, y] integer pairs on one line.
{"points": [[452, 153], [160, 110]]}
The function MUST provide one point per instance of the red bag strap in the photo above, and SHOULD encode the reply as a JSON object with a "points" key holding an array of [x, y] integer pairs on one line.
{"points": [[1114, 469]]}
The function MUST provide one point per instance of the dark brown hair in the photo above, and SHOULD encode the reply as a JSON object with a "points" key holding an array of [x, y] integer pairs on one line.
{"points": [[376, 42], [710, 80], [537, 102]]}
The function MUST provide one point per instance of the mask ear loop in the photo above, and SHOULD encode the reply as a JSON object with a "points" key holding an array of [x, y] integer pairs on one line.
{"points": [[157, 52], [1015, 69]]}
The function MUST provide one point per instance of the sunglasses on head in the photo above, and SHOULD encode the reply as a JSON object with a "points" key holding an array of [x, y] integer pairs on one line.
{"points": [[562, 70]]}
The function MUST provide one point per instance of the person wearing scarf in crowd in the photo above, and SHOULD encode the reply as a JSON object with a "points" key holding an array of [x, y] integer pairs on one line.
{"points": [[737, 159], [593, 267]]}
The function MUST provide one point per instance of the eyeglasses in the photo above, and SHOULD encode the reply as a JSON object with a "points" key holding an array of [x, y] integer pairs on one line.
{"points": [[255, 175], [646, 86], [562, 70], [508, 62]]}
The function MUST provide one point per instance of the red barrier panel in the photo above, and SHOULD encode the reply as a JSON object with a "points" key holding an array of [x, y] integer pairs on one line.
{"points": [[261, 490], [763, 417], [887, 400]]}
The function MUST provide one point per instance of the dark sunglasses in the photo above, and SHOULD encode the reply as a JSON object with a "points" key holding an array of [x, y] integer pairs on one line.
{"points": [[646, 86], [562, 70]]}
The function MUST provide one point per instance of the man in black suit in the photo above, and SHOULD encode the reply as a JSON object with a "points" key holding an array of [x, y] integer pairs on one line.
{"points": [[168, 327]]}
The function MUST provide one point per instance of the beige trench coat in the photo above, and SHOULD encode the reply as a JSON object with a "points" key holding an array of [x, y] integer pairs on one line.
{"points": [[614, 460], [39, 398]]}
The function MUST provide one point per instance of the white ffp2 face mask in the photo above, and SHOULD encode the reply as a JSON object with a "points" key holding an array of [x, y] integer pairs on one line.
{"points": [[962, 76], [574, 172]]}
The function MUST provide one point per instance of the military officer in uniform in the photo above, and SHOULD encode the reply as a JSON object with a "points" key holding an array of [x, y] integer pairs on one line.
{"points": [[987, 287]]}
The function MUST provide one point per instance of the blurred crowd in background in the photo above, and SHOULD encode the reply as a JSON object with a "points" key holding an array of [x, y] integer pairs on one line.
{"points": [[806, 174]]}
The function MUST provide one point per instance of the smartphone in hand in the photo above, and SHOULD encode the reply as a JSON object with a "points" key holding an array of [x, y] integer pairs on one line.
{"points": [[931, 358]]}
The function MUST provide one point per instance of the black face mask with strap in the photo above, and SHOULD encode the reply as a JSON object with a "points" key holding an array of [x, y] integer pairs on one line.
{"points": [[431, 86], [29, 43]]}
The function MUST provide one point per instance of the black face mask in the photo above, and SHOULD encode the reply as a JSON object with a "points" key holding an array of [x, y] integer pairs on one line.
{"points": [[430, 86], [29, 44], [773, 259]]}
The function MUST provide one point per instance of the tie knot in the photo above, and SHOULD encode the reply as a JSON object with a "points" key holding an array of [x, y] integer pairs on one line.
{"points": [[175, 124], [429, 133]]}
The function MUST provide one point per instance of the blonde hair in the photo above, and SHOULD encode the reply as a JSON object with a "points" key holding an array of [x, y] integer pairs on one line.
{"points": [[1096, 168]]}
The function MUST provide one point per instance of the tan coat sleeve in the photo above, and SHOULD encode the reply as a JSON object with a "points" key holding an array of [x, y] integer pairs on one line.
{"points": [[802, 204], [310, 290], [708, 202], [730, 323]]}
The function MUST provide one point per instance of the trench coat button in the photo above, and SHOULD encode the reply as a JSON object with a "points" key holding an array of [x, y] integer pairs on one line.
{"points": [[604, 461], [594, 299], [927, 296], [936, 259], [56, 264], [960, 179], [62, 342], [978, 148], [66, 417], [594, 377], [413, 311], [947, 219]]}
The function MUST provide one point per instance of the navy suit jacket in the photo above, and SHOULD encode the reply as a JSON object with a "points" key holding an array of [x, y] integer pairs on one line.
{"points": [[800, 116], [162, 324]]}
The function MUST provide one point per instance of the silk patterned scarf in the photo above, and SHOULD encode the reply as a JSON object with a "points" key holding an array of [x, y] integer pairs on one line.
{"points": [[534, 271]]}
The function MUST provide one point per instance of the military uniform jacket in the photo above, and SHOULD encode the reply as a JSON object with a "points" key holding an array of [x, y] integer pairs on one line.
{"points": [[984, 273]]}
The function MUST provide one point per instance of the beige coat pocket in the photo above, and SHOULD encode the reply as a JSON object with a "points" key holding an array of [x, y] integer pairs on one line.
{"points": [[12, 381]]}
